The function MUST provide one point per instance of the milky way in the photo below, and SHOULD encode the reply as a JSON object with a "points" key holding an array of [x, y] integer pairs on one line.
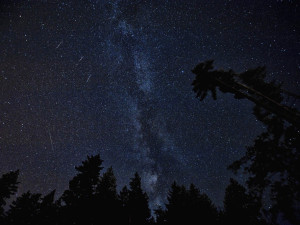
{"points": [[114, 77]]}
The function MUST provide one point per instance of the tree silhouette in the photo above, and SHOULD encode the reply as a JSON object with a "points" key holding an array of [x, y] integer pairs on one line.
{"points": [[109, 206], [138, 208], [24, 210], [8, 187], [79, 200], [124, 196], [188, 207], [160, 215], [124, 199], [240, 207], [176, 205], [200, 207], [48, 211], [84, 184], [273, 161], [204, 81], [250, 85], [93, 199], [107, 187]]}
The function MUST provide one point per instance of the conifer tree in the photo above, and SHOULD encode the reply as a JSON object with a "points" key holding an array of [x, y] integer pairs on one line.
{"points": [[124, 196], [240, 207], [138, 208], [109, 207], [160, 215], [250, 85], [124, 199], [107, 187], [8, 187], [48, 211], [175, 208], [189, 206], [200, 207], [273, 160], [79, 201], [24, 210]]}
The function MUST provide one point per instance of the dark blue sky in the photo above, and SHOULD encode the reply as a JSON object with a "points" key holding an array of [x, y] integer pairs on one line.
{"points": [[114, 77]]}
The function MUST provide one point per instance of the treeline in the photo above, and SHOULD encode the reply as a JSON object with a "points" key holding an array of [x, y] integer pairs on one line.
{"points": [[92, 198], [271, 164]]}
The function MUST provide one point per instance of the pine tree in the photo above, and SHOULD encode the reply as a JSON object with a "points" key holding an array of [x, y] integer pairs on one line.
{"points": [[273, 160], [200, 208], [189, 206], [124, 199], [240, 207], [160, 215], [48, 211], [8, 187], [138, 208], [24, 210], [108, 205], [79, 200], [124, 196], [107, 187], [84, 184], [176, 206]]}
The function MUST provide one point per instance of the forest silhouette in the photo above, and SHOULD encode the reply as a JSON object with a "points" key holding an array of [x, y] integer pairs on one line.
{"points": [[272, 165], [92, 198]]}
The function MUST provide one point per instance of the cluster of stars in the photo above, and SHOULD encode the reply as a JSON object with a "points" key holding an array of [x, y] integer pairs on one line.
{"points": [[113, 77]]}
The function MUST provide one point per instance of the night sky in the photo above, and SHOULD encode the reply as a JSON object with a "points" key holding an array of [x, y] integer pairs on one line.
{"points": [[79, 78]]}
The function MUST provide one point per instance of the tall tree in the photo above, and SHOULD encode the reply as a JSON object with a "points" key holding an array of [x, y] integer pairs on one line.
{"points": [[273, 163], [175, 206], [48, 211], [124, 196], [107, 187], [80, 199], [8, 187], [189, 207], [273, 160], [160, 215], [124, 199], [138, 207], [24, 210], [84, 184], [108, 204], [240, 207], [200, 207]]}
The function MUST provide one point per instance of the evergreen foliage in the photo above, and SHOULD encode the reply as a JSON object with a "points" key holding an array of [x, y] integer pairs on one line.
{"points": [[8, 187], [273, 162], [138, 206], [92, 198], [240, 207]]}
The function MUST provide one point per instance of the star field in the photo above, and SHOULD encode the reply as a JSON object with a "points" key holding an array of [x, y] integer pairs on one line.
{"points": [[113, 77]]}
